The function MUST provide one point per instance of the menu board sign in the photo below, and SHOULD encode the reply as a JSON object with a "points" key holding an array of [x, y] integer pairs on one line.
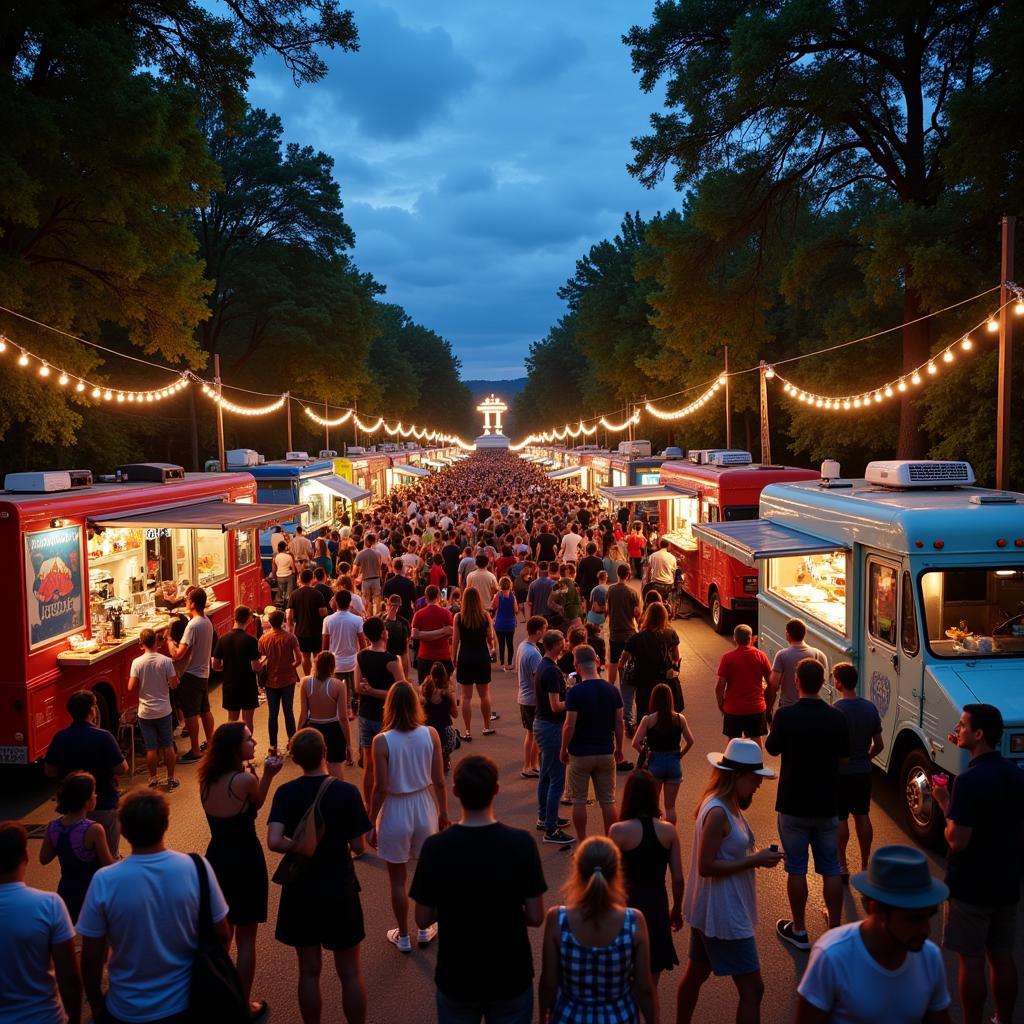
{"points": [[54, 584]]}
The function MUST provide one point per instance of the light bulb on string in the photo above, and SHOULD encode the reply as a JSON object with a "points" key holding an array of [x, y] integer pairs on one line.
{"points": [[62, 380], [44, 370], [947, 356], [23, 359], [3, 343], [902, 386], [769, 372], [916, 379], [966, 344], [992, 325], [933, 369], [80, 386], [1018, 307]]}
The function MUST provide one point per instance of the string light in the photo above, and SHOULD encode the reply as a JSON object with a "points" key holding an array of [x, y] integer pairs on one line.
{"points": [[325, 422], [698, 403], [242, 410], [930, 367]]}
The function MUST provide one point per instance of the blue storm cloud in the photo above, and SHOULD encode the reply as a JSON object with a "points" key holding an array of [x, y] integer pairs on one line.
{"points": [[481, 150]]}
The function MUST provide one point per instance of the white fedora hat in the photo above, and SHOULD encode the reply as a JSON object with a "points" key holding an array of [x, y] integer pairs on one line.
{"points": [[741, 756]]}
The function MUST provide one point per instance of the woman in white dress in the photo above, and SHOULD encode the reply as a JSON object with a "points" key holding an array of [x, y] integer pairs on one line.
{"points": [[409, 800]]}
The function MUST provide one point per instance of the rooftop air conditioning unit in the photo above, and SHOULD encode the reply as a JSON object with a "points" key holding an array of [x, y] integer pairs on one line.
{"points": [[328, 453], [48, 482], [239, 458], [906, 473], [296, 456], [731, 457], [355, 449], [640, 448], [148, 473], [671, 453]]}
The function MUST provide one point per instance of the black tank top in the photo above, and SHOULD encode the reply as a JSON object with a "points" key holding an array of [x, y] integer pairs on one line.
{"points": [[668, 739], [374, 667]]}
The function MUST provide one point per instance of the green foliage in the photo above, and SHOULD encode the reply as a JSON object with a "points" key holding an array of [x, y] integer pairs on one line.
{"points": [[274, 241], [98, 167], [816, 99]]}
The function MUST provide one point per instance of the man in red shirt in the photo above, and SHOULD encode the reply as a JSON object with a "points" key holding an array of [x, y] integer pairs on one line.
{"points": [[432, 627], [742, 673]]}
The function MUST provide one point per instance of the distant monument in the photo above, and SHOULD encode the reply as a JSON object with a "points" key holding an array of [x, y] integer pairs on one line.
{"points": [[492, 437]]}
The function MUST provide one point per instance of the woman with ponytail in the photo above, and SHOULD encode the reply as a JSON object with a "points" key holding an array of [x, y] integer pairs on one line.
{"points": [[596, 957]]}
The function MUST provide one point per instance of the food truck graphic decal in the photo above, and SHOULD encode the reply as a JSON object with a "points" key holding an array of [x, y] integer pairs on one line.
{"points": [[53, 575]]}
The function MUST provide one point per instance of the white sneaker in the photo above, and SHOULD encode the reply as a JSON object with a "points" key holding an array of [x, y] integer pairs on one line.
{"points": [[401, 941], [426, 935]]}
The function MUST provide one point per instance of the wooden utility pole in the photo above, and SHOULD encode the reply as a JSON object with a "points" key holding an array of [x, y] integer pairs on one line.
{"points": [[220, 415], [288, 411], [728, 418], [766, 441], [1005, 386], [327, 429]]}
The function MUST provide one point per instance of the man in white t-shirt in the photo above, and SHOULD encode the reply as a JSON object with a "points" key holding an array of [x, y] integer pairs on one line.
{"points": [[154, 676], [145, 910], [39, 979], [884, 968], [569, 551], [343, 637]]}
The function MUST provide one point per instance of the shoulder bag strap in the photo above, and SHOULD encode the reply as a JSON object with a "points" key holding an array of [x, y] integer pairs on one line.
{"points": [[205, 914]]}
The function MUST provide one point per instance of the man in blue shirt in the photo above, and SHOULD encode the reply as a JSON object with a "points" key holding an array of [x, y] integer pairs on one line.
{"points": [[84, 747], [527, 661], [549, 684], [591, 740]]}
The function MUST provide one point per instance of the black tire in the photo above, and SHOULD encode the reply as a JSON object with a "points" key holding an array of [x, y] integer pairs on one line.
{"points": [[721, 618], [924, 821], [106, 708]]}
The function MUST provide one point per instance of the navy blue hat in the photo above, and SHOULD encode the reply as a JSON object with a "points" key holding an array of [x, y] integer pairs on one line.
{"points": [[899, 876]]}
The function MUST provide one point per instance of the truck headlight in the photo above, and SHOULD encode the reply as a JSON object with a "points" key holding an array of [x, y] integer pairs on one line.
{"points": [[1017, 743]]}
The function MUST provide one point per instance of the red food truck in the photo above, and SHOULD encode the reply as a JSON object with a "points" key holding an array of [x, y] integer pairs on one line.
{"points": [[91, 564], [716, 485]]}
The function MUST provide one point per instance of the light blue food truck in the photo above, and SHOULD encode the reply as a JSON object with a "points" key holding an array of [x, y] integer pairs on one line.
{"points": [[917, 577]]}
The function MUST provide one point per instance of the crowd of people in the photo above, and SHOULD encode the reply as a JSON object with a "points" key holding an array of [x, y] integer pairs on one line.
{"points": [[436, 579]]}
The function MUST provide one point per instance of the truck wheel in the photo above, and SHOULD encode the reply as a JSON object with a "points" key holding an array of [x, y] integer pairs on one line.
{"points": [[721, 619], [925, 822]]}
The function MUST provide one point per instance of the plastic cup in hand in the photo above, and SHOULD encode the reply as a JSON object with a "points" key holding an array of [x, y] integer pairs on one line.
{"points": [[940, 780]]}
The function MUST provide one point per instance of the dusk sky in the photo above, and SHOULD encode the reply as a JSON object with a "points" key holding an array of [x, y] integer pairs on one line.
{"points": [[481, 149]]}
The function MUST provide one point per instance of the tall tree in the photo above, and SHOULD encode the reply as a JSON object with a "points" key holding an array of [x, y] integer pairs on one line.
{"points": [[819, 97]]}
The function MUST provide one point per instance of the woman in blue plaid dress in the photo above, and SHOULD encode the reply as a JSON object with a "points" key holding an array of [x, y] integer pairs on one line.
{"points": [[597, 959]]}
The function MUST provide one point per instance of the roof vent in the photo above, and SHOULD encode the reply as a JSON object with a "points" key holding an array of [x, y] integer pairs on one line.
{"points": [[296, 456], [909, 474], [328, 453], [48, 482], [994, 498], [148, 473]]}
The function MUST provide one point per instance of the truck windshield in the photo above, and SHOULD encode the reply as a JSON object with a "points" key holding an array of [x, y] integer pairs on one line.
{"points": [[972, 613], [733, 513]]}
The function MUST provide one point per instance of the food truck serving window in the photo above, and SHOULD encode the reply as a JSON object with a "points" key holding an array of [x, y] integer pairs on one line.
{"points": [[815, 583], [211, 556], [680, 514], [971, 613]]}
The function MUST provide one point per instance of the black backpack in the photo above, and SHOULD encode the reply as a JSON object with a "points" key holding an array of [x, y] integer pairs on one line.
{"points": [[217, 992]]}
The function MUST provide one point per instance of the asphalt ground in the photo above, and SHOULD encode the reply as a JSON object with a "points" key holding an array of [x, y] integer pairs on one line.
{"points": [[400, 986]]}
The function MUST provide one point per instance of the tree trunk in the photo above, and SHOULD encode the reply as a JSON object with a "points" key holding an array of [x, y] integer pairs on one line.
{"points": [[912, 442]]}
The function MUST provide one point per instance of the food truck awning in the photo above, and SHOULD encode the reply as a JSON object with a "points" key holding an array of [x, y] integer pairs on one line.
{"points": [[204, 515], [646, 492], [753, 539], [406, 470], [434, 463], [565, 473], [342, 487]]}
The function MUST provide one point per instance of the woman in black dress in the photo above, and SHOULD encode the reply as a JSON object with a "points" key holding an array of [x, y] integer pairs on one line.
{"points": [[474, 647], [649, 846], [231, 798]]}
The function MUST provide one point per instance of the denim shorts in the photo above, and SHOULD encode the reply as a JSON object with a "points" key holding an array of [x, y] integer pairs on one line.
{"points": [[666, 765], [368, 728], [820, 834], [518, 1010], [157, 733], [728, 958]]}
